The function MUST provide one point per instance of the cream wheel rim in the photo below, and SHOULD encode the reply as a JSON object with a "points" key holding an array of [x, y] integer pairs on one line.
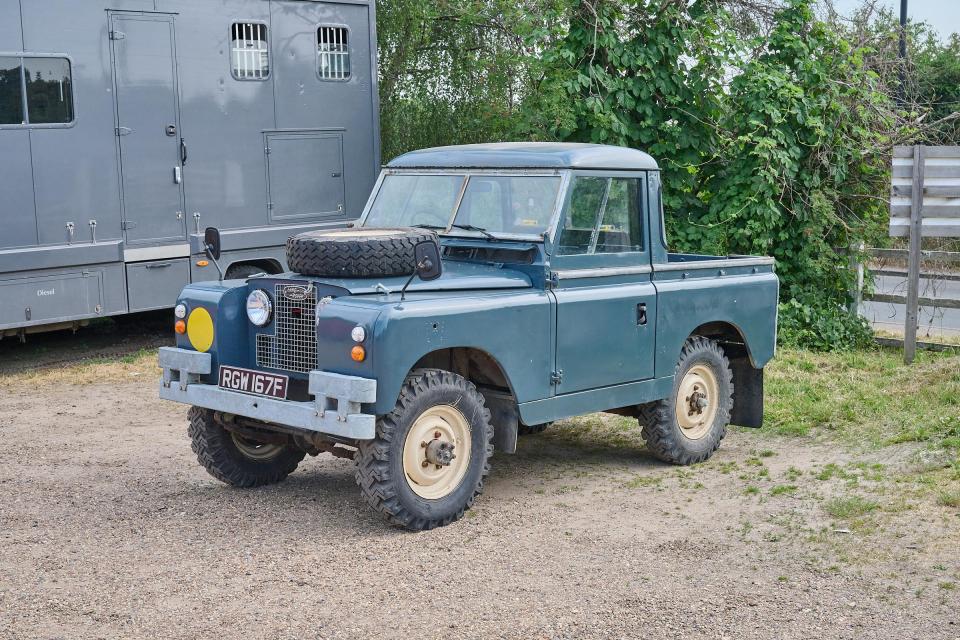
{"points": [[436, 452], [697, 401], [256, 450]]}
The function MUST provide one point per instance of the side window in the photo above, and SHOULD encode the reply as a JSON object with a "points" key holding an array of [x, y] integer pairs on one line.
{"points": [[603, 216], [11, 91], [49, 90], [582, 214], [619, 230], [333, 53], [249, 51]]}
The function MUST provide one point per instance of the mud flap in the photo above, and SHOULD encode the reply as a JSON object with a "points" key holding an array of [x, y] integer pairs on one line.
{"points": [[747, 394], [504, 418]]}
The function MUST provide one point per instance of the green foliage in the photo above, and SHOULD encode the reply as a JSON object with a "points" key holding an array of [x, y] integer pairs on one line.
{"points": [[782, 159], [773, 130], [822, 327]]}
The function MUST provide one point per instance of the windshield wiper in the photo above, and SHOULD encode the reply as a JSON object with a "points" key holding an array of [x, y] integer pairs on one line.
{"points": [[470, 227], [427, 226]]}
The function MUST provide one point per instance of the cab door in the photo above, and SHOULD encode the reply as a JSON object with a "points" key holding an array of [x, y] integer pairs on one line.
{"points": [[605, 299]]}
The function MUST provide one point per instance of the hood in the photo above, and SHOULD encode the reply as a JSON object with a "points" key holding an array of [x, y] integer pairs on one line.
{"points": [[457, 276]]}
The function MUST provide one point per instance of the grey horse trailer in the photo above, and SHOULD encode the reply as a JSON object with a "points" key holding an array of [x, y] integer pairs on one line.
{"points": [[128, 126]]}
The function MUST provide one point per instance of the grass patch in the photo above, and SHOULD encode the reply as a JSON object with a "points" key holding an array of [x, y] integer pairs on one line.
{"points": [[138, 365], [949, 498], [850, 507], [866, 397], [782, 489]]}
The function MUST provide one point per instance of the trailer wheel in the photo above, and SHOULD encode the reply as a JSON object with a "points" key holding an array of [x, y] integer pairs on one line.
{"points": [[236, 460], [687, 427], [356, 253], [242, 271], [431, 453]]}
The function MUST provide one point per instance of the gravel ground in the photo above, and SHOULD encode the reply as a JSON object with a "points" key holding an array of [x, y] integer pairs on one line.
{"points": [[110, 529]]}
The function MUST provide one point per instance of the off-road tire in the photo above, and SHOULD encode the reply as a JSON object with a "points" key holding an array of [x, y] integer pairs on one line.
{"points": [[661, 430], [218, 454], [379, 462], [532, 429], [356, 253]]}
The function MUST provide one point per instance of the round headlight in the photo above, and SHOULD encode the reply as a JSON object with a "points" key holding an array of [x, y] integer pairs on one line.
{"points": [[180, 311], [359, 334], [259, 307]]}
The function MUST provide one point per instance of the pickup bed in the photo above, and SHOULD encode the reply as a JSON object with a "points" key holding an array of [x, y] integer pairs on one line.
{"points": [[486, 291]]}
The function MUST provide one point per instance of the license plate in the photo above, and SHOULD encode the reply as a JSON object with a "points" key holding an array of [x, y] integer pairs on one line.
{"points": [[255, 382]]}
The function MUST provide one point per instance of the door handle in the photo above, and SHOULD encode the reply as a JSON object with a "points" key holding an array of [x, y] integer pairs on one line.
{"points": [[642, 314], [183, 153], [158, 265], [177, 175]]}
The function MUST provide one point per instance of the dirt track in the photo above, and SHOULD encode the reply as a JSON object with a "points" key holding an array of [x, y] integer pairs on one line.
{"points": [[109, 529]]}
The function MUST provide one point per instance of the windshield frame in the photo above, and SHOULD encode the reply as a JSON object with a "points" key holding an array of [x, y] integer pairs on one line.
{"points": [[467, 173]]}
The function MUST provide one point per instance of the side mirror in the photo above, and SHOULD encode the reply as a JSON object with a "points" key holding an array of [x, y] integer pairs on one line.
{"points": [[429, 264], [211, 238]]}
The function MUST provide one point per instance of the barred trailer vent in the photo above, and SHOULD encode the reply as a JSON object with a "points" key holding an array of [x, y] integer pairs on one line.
{"points": [[293, 347]]}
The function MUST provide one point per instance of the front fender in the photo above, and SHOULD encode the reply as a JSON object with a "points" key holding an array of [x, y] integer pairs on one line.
{"points": [[513, 328]]}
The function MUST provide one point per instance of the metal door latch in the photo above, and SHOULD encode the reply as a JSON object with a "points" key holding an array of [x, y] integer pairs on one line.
{"points": [[196, 220], [93, 231], [70, 229], [556, 377]]}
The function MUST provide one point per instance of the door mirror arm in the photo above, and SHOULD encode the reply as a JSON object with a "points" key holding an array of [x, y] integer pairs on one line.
{"points": [[212, 247], [429, 265]]}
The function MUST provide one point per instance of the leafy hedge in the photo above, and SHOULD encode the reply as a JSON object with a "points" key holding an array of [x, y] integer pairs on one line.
{"points": [[773, 132]]}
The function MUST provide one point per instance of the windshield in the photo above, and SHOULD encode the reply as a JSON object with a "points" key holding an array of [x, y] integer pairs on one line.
{"points": [[515, 205]]}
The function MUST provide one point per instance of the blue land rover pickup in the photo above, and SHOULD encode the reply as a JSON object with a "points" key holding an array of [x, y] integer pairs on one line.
{"points": [[486, 291]]}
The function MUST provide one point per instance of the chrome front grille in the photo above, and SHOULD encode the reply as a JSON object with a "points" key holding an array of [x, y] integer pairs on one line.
{"points": [[293, 345]]}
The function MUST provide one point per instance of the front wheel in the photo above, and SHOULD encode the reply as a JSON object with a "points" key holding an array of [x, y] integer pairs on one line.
{"points": [[235, 459], [431, 454], [687, 427]]}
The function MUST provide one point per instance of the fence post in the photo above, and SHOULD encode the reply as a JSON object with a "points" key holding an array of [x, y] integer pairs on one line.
{"points": [[913, 264], [856, 265]]}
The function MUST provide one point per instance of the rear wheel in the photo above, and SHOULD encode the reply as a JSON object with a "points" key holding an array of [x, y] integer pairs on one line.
{"points": [[238, 460], [687, 427], [431, 454]]}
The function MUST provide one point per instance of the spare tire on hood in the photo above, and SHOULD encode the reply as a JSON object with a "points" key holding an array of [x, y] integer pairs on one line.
{"points": [[356, 253]]}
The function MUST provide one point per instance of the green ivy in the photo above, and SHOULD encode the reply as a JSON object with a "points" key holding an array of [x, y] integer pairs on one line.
{"points": [[772, 145]]}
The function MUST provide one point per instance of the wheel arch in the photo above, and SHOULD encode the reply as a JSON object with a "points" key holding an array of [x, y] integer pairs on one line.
{"points": [[485, 371], [747, 376]]}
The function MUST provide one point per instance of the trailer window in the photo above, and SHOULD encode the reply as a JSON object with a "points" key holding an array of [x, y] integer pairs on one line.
{"points": [[249, 51], [11, 91], [333, 53], [49, 90]]}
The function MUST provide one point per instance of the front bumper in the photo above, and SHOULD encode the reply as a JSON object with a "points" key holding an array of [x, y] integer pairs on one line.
{"points": [[335, 409]]}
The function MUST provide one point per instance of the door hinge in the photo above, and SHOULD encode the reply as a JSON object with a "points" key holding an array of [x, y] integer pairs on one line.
{"points": [[128, 224], [553, 280], [556, 377], [123, 131], [270, 206], [266, 150], [117, 35]]}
